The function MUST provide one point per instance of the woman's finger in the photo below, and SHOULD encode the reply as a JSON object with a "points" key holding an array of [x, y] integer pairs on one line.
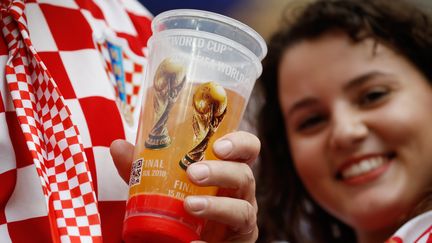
{"points": [[239, 215], [224, 174], [122, 154], [238, 146]]}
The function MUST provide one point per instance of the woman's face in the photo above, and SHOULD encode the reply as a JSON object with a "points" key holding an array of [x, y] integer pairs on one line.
{"points": [[359, 122]]}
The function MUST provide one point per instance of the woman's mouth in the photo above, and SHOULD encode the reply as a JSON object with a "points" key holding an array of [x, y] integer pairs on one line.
{"points": [[365, 169]]}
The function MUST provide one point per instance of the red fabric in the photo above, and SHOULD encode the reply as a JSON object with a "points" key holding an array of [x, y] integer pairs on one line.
{"points": [[23, 156], [92, 166], [78, 34], [67, 50], [2, 109], [8, 180], [40, 224], [58, 72], [134, 44], [92, 7], [51, 136], [106, 126], [142, 24]]}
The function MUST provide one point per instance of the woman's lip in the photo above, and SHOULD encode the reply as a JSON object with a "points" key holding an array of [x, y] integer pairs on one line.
{"points": [[365, 168], [355, 160], [369, 176]]}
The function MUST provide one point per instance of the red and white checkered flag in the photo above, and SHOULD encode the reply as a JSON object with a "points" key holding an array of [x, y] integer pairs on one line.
{"points": [[52, 138]]}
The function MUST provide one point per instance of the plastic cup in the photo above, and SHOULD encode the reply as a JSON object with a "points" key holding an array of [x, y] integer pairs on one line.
{"points": [[201, 71]]}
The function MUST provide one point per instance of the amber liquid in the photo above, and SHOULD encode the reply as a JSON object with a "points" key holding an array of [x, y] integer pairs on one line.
{"points": [[161, 173]]}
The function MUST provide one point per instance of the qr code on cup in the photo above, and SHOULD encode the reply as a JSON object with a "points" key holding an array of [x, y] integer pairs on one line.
{"points": [[136, 171]]}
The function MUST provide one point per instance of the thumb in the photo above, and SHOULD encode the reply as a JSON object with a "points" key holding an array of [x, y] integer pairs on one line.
{"points": [[122, 154]]}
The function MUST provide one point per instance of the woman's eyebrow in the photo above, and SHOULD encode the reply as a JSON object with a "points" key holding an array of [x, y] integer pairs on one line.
{"points": [[308, 101], [353, 83], [358, 81]]}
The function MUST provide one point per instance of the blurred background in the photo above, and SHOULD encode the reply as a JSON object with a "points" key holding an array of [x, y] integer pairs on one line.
{"points": [[261, 15]]}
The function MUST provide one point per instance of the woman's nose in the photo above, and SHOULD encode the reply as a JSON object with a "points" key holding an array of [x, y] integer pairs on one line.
{"points": [[348, 129]]}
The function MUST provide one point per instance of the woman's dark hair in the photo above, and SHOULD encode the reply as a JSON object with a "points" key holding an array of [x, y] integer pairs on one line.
{"points": [[286, 211]]}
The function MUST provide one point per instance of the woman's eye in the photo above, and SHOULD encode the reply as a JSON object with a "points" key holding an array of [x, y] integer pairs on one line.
{"points": [[372, 96], [310, 122]]}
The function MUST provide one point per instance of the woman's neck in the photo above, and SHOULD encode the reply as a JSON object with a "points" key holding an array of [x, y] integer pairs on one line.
{"points": [[379, 235], [374, 237]]}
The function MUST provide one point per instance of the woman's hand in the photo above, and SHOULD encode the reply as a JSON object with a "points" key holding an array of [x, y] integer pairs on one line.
{"points": [[232, 213]]}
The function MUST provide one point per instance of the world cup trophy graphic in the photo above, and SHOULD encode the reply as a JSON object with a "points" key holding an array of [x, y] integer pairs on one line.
{"points": [[210, 105], [168, 81]]}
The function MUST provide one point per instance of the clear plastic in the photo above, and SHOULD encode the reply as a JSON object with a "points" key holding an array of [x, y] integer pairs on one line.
{"points": [[201, 70]]}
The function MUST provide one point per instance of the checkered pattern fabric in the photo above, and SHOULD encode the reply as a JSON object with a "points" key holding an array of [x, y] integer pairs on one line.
{"points": [[103, 49], [417, 230], [59, 112], [125, 74], [51, 136], [133, 75]]}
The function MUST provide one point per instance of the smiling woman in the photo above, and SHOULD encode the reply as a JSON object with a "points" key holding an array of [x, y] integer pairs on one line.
{"points": [[349, 83]]}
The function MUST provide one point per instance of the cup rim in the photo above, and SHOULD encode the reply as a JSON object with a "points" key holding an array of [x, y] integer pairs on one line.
{"points": [[216, 17], [239, 47]]}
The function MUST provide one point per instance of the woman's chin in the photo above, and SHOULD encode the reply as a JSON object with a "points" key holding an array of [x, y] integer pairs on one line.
{"points": [[375, 218]]}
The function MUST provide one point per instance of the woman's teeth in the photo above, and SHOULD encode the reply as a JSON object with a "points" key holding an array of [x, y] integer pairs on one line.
{"points": [[363, 167]]}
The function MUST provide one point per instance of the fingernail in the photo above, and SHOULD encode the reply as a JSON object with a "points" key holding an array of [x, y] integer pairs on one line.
{"points": [[196, 204], [199, 172], [223, 147]]}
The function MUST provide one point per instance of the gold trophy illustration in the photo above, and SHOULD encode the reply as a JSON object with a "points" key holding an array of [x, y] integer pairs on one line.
{"points": [[210, 105], [168, 81]]}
